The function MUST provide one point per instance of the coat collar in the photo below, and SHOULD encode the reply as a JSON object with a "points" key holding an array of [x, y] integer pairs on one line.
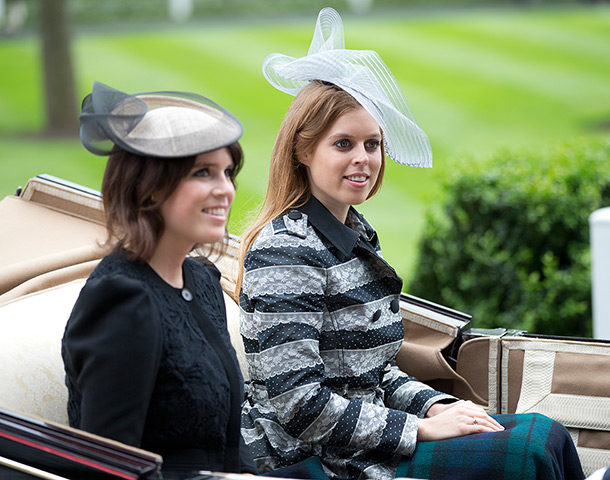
{"points": [[343, 236]]}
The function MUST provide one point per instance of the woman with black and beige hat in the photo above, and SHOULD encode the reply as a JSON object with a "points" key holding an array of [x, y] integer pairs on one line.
{"points": [[146, 350]]}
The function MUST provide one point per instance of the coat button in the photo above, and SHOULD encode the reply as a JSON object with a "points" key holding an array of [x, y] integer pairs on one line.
{"points": [[376, 315], [295, 215], [186, 294], [394, 306]]}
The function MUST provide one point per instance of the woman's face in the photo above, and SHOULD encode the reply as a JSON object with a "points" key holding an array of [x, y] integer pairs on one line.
{"points": [[197, 210], [345, 163]]}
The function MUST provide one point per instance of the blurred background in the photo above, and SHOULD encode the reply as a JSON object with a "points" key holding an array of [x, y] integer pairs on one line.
{"points": [[481, 77]]}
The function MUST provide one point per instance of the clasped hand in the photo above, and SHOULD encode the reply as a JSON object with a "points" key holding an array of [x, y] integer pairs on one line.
{"points": [[454, 420]]}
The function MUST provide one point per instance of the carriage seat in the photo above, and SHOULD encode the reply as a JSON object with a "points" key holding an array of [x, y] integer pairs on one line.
{"points": [[32, 373]]}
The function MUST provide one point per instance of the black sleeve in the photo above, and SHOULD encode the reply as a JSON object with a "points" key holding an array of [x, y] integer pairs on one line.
{"points": [[245, 458], [113, 343]]}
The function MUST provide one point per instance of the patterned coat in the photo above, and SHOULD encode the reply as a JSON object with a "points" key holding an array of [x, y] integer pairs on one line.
{"points": [[321, 324]]}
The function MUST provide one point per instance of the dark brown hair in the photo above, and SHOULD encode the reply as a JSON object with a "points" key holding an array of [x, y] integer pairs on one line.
{"points": [[134, 188]]}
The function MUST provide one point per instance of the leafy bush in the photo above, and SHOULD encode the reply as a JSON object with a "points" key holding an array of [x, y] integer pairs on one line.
{"points": [[511, 243]]}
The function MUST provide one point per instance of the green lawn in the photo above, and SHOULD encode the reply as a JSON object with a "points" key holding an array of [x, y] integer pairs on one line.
{"points": [[478, 80]]}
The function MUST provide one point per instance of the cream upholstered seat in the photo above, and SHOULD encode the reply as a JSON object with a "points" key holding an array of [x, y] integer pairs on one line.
{"points": [[32, 373]]}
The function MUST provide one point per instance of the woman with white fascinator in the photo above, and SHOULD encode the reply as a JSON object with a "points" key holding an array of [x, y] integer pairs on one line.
{"points": [[146, 350], [320, 314]]}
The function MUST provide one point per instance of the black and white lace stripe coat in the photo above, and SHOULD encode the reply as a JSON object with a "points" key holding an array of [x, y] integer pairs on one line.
{"points": [[321, 327]]}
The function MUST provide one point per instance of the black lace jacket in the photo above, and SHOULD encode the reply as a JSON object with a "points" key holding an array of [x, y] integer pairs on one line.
{"points": [[140, 370]]}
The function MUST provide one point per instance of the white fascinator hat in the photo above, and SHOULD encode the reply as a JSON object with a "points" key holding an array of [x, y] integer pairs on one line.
{"points": [[362, 74], [155, 124]]}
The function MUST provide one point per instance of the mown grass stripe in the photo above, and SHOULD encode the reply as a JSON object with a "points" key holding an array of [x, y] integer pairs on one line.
{"points": [[477, 80]]}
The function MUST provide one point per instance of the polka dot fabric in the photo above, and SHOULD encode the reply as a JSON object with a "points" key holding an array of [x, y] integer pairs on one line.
{"points": [[321, 331]]}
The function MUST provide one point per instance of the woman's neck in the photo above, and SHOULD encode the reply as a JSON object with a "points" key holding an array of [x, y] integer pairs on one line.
{"points": [[167, 262], [337, 209]]}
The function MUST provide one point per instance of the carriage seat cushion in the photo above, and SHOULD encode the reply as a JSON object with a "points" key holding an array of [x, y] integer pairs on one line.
{"points": [[32, 373]]}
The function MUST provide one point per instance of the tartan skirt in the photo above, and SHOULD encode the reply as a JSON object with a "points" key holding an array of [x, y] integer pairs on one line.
{"points": [[531, 447]]}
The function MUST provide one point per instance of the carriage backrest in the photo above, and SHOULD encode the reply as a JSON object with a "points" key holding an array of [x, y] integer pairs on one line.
{"points": [[56, 229]]}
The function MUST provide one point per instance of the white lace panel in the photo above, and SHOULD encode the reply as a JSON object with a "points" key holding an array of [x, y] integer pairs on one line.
{"points": [[374, 396], [289, 403], [358, 317], [403, 396], [351, 318], [284, 280], [369, 429], [255, 367], [391, 375], [320, 430], [354, 274], [408, 439], [251, 324], [251, 435], [278, 438], [380, 471], [268, 239], [353, 363], [259, 396], [289, 357]]}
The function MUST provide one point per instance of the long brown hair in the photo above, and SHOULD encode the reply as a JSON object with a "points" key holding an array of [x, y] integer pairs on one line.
{"points": [[133, 190], [310, 114]]}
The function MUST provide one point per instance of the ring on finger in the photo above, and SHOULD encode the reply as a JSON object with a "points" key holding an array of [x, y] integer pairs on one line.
{"points": [[474, 421]]}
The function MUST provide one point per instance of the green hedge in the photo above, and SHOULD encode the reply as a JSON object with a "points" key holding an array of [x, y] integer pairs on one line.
{"points": [[511, 243]]}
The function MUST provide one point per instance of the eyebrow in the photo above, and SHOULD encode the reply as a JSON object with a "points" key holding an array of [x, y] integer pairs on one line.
{"points": [[211, 164], [376, 135]]}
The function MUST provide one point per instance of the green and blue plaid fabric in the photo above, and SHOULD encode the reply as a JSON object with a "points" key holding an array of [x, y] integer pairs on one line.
{"points": [[532, 446]]}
